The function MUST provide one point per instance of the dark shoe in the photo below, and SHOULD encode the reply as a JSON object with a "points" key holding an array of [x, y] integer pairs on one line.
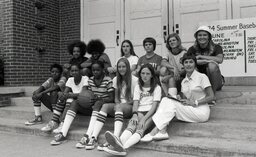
{"points": [[36, 120], [114, 141], [91, 144], [82, 143], [59, 138]]}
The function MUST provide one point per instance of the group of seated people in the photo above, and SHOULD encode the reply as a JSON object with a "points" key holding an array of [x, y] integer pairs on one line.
{"points": [[150, 90]]}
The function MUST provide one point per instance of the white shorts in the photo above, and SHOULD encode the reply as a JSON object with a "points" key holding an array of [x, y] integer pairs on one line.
{"points": [[168, 109]]}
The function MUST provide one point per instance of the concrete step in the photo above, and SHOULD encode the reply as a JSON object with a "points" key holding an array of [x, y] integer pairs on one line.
{"points": [[240, 81], [23, 108], [235, 112], [221, 129], [222, 124], [237, 95], [7, 93], [197, 146]]}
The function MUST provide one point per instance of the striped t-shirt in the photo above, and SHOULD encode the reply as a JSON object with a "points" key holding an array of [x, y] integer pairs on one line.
{"points": [[103, 89]]}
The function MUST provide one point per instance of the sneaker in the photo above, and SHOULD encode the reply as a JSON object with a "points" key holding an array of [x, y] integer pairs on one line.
{"points": [[82, 143], [114, 141], [50, 126], [59, 138], [112, 151], [102, 146], [147, 138], [161, 136], [36, 120], [91, 144], [58, 130]]}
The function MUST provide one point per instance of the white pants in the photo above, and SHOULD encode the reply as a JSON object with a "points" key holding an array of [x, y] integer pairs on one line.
{"points": [[168, 109]]}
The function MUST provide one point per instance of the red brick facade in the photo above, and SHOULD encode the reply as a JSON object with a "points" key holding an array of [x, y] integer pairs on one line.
{"points": [[24, 65]]}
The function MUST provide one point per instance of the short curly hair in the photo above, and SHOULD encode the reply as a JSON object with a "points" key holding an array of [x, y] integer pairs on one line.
{"points": [[77, 43], [96, 46], [57, 66]]}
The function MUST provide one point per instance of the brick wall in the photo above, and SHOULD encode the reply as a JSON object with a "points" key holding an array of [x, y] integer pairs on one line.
{"points": [[24, 65], [69, 26]]}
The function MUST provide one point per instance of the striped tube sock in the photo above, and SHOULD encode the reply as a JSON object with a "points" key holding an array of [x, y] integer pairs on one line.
{"points": [[135, 138], [67, 122], [37, 108], [101, 118], [58, 111], [92, 122], [119, 118], [125, 136]]}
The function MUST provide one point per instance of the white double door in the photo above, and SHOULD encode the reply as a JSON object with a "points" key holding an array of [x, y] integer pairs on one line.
{"points": [[112, 21]]}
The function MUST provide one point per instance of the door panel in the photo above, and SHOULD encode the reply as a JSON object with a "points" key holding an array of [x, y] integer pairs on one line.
{"points": [[145, 18], [189, 13], [244, 8], [101, 20]]}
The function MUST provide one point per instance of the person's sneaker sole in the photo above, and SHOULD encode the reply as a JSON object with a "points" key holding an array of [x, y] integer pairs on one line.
{"points": [[29, 124], [54, 143], [112, 152], [159, 138], [80, 146], [112, 140], [89, 147]]}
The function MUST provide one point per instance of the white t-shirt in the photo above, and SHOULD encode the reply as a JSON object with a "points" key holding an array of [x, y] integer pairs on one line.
{"points": [[145, 98], [77, 88], [122, 96], [132, 60]]}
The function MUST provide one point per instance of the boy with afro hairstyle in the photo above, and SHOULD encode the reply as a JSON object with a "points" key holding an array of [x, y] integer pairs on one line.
{"points": [[96, 49]]}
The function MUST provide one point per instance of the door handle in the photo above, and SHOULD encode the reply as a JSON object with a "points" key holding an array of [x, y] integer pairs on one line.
{"points": [[117, 38], [165, 33], [177, 28]]}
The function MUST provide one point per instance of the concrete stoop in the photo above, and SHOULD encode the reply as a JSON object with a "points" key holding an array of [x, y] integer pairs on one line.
{"points": [[229, 132]]}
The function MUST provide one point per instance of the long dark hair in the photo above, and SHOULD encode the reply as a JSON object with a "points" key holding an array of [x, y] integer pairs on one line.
{"points": [[131, 46], [153, 81], [127, 79]]}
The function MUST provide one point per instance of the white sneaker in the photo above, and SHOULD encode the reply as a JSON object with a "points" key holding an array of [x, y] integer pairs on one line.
{"points": [[58, 130], [50, 126], [161, 136], [147, 138]]}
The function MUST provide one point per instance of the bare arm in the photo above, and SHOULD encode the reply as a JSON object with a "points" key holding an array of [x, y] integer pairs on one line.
{"points": [[202, 59], [166, 64], [151, 111], [209, 96]]}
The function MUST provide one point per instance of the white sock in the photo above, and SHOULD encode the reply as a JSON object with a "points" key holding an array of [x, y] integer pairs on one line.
{"points": [[119, 118], [70, 116], [135, 138], [101, 118], [173, 92], [125, 136], [92, 122], [37, 110]]}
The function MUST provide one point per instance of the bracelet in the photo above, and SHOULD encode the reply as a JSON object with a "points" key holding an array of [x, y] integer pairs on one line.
{"points": [[196, 102], [135, 112]]}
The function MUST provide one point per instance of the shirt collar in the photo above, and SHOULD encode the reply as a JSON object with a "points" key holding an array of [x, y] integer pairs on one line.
{"points": [[192, 77]]}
